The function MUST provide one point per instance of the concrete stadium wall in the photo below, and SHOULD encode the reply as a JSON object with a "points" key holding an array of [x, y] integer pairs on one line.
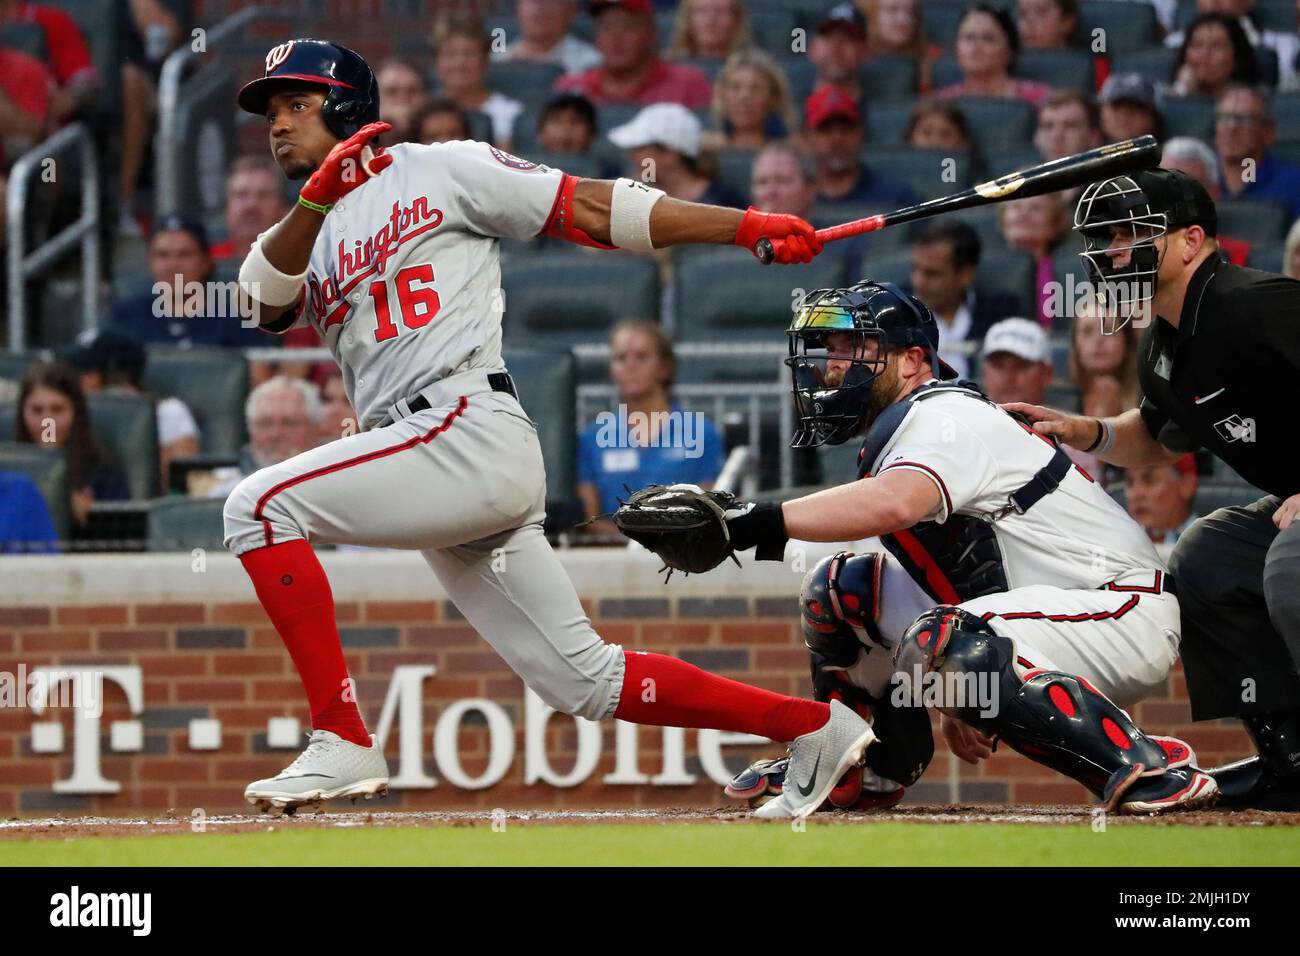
{"points": [[200, 696]]}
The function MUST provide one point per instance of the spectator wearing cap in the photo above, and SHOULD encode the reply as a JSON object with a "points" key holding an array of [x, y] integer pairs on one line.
{"points": [[1068, 122], [1159, 498], [182, 307], [402, 90], [838, 50], [987, 46], [1128, 108], [112, 360], [544, 37], [1285, 44], [1215, 54], [751, 102], [896, 28], [945, 259], [254, 203], [461, 49], [1054, 25], [1244, 133], [567, 125], [1197, 160], [709, 30], [631, 70], [25, 523], [836, 137], [1038, 225], [1016, 361], [663, 147]]}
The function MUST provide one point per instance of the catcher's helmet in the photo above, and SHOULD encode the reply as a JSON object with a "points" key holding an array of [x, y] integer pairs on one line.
{"points": [[833, 409], [351, 91], [1148, 204]]}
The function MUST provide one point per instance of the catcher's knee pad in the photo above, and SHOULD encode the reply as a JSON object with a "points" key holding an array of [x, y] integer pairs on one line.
{"points": [[839, 602], [1053, 718]]}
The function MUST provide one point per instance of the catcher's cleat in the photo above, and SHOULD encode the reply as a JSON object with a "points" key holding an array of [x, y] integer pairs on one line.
{"points": [[1180, 788], [330, 767], [760, 779], [817, 762]]}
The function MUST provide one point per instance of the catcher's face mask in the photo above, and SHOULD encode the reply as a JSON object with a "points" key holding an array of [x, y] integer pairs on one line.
{"points": [[1120, 229], [834, 359]]}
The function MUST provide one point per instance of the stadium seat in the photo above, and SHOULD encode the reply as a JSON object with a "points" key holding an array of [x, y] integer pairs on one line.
{"points": [[931, 172], [1277, 15], [773, 29], [1268, 66], [726, 294], [945, 72], [14, 364], [1072, 69], [180, 524], [1286, 112], [126, 427], [1126, 26], [941, 20], [1156, 63], [1254, 219], [213, 382], [887, 123], [48, 470], [102, 23], [480, 126], [557, 299], [1269, 258], [888, 77], [1189, 116], [610, 115], [735, 170], [546, 384], [530, 83], [1010, 271], [802, 76], [894, 266], [997, 124], [28, 38], [839, 463]]}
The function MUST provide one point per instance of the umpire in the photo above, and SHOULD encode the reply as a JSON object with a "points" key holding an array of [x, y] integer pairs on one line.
{"points": [[1219, 358]]}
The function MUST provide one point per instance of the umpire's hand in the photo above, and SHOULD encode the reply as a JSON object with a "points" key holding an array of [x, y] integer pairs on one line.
{"points": [[1078, 431]]}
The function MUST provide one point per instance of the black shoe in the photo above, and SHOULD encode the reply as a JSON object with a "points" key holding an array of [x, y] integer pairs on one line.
{"points": [[1271, 780]]}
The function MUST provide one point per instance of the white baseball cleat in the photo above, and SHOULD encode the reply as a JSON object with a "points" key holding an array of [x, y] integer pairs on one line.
{"points": [[330, 767], [817, 761]]}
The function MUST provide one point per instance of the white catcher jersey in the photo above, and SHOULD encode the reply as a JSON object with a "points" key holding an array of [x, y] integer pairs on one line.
{"points": [[403, 281], [977, 455]]}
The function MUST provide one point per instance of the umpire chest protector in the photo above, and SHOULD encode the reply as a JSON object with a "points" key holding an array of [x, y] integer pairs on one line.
{"points": [[961, 558]]}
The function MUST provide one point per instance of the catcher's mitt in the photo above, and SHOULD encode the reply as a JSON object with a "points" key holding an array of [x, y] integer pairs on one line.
{"points": [[683, 524]]}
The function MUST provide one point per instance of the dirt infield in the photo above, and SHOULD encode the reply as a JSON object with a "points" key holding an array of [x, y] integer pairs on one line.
{"points": [[68, 827]]}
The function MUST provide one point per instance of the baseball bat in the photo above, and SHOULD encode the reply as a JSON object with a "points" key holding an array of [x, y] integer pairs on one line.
{"points": [[1068, 172]]}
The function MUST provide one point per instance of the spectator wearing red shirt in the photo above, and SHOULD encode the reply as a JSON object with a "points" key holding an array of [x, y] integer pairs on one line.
{"points": [[631, 70], [25, 85]]}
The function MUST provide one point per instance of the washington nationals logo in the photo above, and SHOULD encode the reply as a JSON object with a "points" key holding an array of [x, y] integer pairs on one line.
{"points": [[277, 56], [511, 160]]}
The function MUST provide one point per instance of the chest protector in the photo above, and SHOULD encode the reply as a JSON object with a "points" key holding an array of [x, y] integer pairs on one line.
{"points": [[959, 559]]}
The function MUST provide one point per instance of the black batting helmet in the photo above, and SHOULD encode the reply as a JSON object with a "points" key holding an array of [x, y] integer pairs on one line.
{"points": [[833, 409], [351, 91]]}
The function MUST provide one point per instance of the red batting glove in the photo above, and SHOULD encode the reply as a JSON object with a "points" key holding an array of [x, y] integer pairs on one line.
{"points": [[344, 169], [793, 240]]}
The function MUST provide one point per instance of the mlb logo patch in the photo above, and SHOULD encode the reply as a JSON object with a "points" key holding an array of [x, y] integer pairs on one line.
{"points": [[1235, 428]]}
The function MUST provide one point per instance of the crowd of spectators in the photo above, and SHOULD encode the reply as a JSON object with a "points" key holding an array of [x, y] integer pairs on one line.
{"points": [[701, 97]]}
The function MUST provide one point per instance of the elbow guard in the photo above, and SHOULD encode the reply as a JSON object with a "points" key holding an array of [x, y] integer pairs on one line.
{"points": [[561, 225]]}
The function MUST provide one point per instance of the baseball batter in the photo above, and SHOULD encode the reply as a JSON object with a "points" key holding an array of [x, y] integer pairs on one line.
{"points": [[393, 257], [1013, 594]]}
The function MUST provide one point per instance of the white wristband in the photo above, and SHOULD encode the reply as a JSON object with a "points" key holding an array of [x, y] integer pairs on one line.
{"points": [[1108, 441], [264, 282], [629, 214]]}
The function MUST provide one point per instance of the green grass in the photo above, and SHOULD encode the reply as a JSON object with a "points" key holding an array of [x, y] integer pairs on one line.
{"points": [[684, 844]]}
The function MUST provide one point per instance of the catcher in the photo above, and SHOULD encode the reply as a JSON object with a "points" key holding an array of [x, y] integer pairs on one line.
{"points": [[1007, 571]]}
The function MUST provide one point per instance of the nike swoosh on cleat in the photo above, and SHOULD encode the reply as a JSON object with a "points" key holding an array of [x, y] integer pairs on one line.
{"points": [[812, 781]]}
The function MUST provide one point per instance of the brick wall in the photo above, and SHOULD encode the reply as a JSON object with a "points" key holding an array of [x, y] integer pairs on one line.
{"points": [[218, 657]]}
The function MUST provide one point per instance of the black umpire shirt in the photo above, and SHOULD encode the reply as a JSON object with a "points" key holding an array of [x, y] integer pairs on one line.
{"points": [[1226, 378]]}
